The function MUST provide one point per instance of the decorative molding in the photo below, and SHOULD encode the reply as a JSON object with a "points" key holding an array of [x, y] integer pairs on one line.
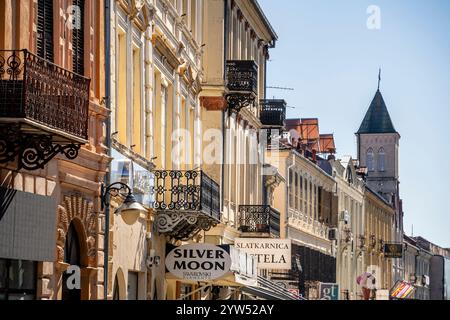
{"points": [[213, 103], [183, 226], [77, 207]]}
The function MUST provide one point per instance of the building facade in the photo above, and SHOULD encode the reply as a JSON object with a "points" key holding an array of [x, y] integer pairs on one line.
{"points": [[53, 122], [378, 231], [306, 194], [156, 139], [350, 226], [417, 268]]}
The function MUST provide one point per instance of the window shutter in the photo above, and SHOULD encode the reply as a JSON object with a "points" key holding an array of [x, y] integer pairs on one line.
{"points": [[78, 40], [45, 29]]}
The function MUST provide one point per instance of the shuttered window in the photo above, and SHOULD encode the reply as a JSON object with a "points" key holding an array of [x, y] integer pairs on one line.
{"points": [[45, 29], [78, 38]]}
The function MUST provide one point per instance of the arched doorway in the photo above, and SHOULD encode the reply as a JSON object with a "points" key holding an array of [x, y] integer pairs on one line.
{"points": [[72, 256]]}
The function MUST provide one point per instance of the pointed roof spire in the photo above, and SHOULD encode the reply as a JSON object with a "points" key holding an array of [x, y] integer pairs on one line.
{"points": [[377, 119]]}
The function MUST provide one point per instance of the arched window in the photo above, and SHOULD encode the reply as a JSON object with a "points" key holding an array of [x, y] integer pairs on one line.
{"points": [[369, 160], [381, 160]]}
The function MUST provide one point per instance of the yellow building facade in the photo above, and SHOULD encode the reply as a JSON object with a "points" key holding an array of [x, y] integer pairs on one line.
{"points": [[379, 230]]}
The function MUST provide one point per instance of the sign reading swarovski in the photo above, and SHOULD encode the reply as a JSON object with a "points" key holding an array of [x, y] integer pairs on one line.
{"points": [[198, 262], [270, 253]]}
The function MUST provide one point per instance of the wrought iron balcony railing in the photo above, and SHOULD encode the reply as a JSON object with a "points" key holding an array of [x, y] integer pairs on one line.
{"points": [[242, 83], [273, 112], [38, 91], [43, 110], [187, 202], [259, 219]]}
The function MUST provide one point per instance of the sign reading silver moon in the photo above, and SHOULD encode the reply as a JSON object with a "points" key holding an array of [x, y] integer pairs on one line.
{"points": [[198, 262]]}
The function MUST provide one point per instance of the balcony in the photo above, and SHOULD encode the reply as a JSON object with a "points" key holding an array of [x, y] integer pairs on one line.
{"points": [[305, 223], [186, 202], [242, 84], [273, 113], [258, 220], [43, 110]]}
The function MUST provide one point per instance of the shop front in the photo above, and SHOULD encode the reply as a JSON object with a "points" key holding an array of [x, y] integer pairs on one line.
{"points": [[27, 237], [210, 272]]}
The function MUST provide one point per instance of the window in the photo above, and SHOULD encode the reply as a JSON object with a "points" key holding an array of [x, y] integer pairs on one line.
{"points": [[381, 160], [369, 160], [78, 40], [301, 193], [121, 109], [296, 191], [194, 17], [137, 85], [45, 29], [291, 189], [17, 279]]}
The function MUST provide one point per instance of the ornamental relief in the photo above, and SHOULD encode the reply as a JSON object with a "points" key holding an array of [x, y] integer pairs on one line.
{"points": [[77, 207]]}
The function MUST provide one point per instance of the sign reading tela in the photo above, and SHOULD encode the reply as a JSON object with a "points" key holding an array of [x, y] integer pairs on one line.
{"points": [[198, 262], [393, 250], [270, 253]]}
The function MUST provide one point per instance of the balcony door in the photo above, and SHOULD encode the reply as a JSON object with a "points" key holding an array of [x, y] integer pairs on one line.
{"points": [[44, 44]]}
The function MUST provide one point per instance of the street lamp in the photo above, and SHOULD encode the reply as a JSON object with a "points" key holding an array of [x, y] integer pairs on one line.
{"points": [[130, 210]]}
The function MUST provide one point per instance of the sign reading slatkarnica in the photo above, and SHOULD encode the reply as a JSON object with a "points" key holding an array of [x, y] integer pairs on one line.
{"points": [[198, 262], [270, 253]]}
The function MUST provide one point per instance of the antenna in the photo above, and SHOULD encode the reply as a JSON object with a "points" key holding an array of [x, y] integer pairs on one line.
{"points": [[280, 88], [379, 78]]}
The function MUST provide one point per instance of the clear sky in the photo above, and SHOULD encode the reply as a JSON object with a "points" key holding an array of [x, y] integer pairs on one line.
{"points": [[329, 56]]}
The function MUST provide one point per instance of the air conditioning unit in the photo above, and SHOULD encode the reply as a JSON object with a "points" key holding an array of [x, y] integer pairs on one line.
{"points": [[345, 216], [425, 280], [333, 234]]}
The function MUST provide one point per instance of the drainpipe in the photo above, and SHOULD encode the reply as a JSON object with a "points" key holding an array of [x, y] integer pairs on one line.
{"points": [[108, 135], [224, 112]]}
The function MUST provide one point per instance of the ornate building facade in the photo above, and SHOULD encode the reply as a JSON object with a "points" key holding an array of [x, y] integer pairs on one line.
{"points": [[350, 224], [53, 122]]}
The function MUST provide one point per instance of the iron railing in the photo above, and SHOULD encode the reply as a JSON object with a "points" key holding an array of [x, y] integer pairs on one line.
{"points": [[259, 219], [35, 89], [242, 76], [273, 112], [190, 191]]}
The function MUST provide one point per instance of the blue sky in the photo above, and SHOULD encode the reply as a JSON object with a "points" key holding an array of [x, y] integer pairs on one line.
{"points": [[329, 56]]}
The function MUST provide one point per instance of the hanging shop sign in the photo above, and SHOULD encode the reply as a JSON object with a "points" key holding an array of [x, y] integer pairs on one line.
{"points": [[393, 250], [329, 291], [269, 253], [198, 262]]}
